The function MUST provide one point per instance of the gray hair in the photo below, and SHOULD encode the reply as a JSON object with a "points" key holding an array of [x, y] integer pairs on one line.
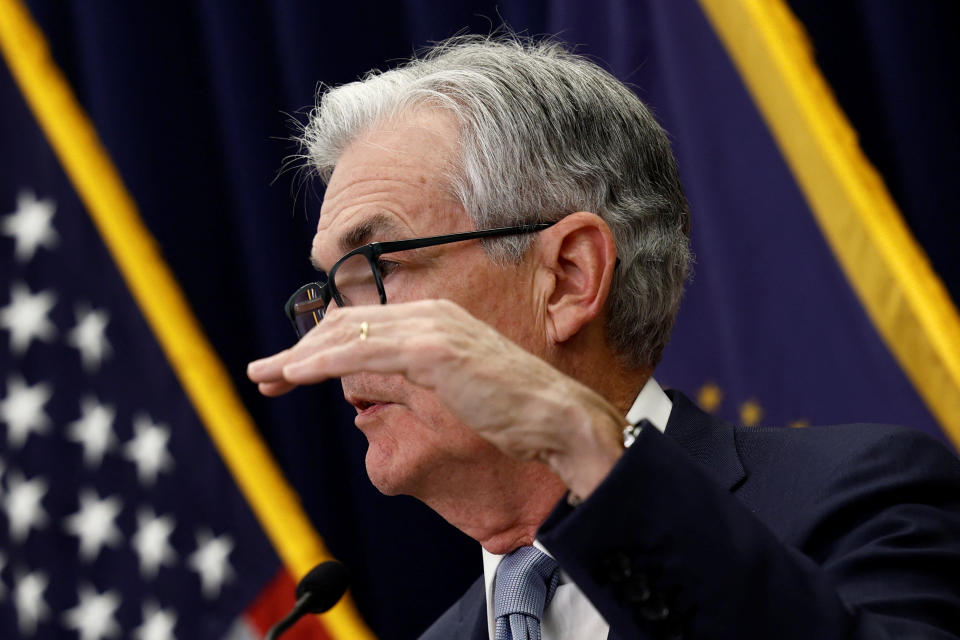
{"points": [[543, 133]]}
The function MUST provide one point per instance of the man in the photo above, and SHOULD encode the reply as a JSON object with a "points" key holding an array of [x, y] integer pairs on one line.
{"points": [[505, 380]]}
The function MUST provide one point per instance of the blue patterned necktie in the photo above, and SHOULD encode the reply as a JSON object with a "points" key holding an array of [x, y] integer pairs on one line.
{"points": [[526, 580]]}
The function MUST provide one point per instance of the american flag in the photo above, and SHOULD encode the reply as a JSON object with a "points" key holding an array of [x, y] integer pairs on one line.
{"points": [[118, 518]]}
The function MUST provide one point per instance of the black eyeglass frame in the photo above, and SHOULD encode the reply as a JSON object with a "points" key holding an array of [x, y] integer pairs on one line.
{"points": [[372, 252]]}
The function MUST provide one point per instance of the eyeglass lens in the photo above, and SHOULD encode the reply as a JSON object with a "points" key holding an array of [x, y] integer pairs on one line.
{"points": [[355, 282], [355, 285], [308, 306]]}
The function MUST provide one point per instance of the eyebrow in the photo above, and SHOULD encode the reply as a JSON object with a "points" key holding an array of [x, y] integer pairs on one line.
{"points": [[361, 234]]}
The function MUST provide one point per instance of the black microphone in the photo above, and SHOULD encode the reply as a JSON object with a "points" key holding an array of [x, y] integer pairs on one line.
{"points": [[317, 591]]}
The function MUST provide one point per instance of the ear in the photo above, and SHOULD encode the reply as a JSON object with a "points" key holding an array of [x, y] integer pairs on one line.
{"points": [[580, 254]]}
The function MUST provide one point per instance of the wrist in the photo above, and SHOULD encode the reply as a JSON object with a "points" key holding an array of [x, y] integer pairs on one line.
{"points": [[591, 447]]}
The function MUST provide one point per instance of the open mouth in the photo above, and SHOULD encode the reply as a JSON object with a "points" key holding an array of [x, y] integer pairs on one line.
{"points": [[364, 406], [366, 400]]}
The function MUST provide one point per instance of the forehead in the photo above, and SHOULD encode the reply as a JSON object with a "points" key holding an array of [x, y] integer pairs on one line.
{"points": [[391, 182]]}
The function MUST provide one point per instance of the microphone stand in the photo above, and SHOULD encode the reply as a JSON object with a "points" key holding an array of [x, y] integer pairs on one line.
{"points": [[289, 620]]}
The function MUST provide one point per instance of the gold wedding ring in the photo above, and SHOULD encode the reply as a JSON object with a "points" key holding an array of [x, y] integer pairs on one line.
{"points": [[364, 330]]}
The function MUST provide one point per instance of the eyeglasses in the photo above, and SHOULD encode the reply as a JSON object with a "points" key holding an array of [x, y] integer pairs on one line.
{"points": [[357, 277]]}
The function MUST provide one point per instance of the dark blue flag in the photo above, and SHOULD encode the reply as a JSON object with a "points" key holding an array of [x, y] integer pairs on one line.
{"points": [[118, 516]]}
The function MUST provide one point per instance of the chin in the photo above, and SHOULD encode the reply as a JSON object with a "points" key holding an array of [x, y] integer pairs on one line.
{"points": [[385, 482], [389, 472]]}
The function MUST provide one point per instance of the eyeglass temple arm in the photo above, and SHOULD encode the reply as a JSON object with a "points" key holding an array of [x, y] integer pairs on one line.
{"points": [[418, 243]]}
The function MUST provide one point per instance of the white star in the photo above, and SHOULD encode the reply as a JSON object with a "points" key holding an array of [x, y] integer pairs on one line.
{"points": [[93, 430], [89, 337], [151, 542], [157, 624], [148, 449], [94, 524], [210, 561], [26, 317], [30, 225], [22, 410], [28, 600], [93, 618], [22, 504]]}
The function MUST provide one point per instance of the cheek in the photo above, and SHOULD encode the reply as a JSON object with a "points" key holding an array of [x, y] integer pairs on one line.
{"points": [[411, 446], [421, 428], [502, 300], [416, 423]]}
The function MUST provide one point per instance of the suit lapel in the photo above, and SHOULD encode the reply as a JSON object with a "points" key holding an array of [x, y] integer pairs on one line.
{"points": [[709, 441], [466, 619], [479, 615], [473, 613]]}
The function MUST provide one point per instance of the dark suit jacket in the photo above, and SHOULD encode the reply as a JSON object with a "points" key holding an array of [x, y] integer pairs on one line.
{"points": [[714, 531]]}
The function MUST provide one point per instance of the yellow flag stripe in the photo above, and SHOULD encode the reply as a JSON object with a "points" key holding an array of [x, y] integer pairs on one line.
{"points": [[887, 269], [97, 182]]}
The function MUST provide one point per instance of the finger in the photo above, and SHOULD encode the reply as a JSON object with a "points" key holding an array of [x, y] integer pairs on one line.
{"points": [[335, 347], [344, 326], [353, 316], [375, 355], [273, 389], [331, 362], [269, 368], [269, 371]]}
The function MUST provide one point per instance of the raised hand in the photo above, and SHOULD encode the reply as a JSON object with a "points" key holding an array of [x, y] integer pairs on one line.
{"points": [[514, 399]]}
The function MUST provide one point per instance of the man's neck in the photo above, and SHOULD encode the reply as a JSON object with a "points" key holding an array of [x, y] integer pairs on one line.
{"points": [[501, 502], [503, 505], [592, 362]]}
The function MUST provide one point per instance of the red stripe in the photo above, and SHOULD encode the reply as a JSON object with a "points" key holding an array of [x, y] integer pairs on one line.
{"points": [[275, 601]]}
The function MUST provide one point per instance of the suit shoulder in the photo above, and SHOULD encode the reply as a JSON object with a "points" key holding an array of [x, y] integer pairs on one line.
{"points": [[799, 478], [811, 459], [839, 443]]}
